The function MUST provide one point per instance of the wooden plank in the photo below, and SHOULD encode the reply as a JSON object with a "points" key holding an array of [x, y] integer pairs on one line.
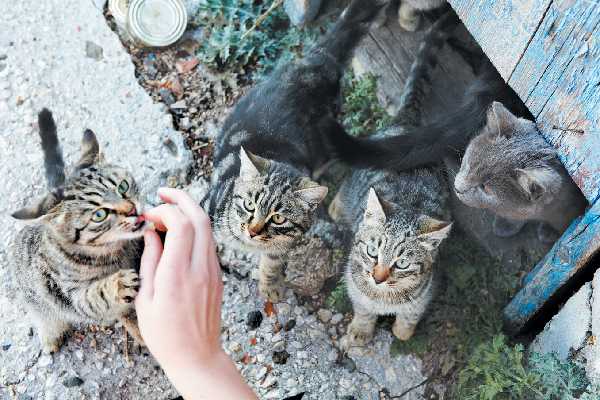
{"points": [[564, 262], [389, 52], [503, 28], [559, 79]]}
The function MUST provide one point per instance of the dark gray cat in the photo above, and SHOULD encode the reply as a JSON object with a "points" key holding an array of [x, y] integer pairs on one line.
{"points": [[511, 170], [77, 260], [398, 220], [263, 198]]}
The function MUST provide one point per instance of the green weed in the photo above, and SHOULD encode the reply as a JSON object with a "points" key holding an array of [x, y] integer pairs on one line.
{"points": [[339, 298], [497, 371]]}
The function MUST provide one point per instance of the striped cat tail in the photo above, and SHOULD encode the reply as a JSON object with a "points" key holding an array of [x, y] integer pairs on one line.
{"points": [[53, 161], [352, 26], [418, 82]]}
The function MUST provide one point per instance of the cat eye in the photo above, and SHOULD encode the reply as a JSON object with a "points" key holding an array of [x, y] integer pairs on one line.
{"points": [[402, 264], [249, 205], [372, 251], [486, 189], [123, 187], [99, 215], [278, 219]]}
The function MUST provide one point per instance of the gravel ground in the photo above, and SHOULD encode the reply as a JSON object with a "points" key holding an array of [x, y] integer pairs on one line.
{"points": [[63, 55]]}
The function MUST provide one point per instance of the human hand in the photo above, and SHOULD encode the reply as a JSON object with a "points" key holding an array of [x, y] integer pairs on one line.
{"points": [[179, 301]]}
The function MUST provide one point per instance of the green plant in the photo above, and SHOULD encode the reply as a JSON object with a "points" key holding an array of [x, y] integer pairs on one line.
{"points": [[339, 298], [363, 114], [273, 42], [417, 343], [500, 372]]}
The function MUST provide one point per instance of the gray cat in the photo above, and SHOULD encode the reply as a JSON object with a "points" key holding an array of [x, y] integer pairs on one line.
{"points": [[76, 261], [398, 220], [263, 198], [511, 170], [409, 12]]}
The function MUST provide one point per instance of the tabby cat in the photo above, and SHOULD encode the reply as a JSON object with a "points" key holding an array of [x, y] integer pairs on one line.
{"points": [[409, 12], [511, 170], [263, 198], [398, 220], [76, 261]]}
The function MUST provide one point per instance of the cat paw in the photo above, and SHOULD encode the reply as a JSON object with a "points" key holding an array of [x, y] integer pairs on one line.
{"points": [[506, 227], [272, 292], [547, 234], [127, 283], [358, 336], [403, 331], [335, 209], [408, 17], [50, 344]]}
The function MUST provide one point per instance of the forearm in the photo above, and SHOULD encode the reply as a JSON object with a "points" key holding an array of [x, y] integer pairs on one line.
{"points": [[216, 379]]}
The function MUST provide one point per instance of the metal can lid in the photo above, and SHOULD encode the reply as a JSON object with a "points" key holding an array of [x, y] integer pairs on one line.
{"points": [[118, 8], [156, 23]]}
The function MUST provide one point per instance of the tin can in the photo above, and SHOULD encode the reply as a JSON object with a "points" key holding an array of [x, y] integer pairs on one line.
{"points": [[155, 23], [118, 8]]}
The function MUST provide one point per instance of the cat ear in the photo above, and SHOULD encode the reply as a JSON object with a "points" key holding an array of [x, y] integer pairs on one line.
{"points": [[500, 121], [535, 181], [40, 212], [311, 192], [374, 211], [251, 166], [431, 231], [90, 150]]}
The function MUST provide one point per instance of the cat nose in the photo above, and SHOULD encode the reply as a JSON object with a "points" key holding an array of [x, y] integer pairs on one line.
{"points": [[252, 233], [377, 281], [132, 212]]}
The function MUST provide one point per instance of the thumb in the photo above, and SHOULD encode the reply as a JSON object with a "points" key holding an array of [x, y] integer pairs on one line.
{"points": [[148, 264]]}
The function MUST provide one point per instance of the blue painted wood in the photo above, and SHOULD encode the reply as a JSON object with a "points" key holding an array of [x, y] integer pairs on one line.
{"points": [[503, 28], [558, 77], [576, 247]]}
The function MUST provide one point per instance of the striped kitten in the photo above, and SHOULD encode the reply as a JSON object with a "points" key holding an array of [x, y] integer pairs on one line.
{"points": [[398, 220], [263, 198], [77, 259]]}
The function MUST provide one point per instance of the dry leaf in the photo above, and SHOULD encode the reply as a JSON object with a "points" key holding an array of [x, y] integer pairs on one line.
{"points": [[246, 359], [269, 309], [186, 66], [253, 341]]}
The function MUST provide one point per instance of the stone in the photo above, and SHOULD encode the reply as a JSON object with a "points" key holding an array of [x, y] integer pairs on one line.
{"points": [[332, 355], [337, 318], [390, 374], [314, 333], [297, 344], [166, 96], [186, 66], [289, 325], [308, 267], [45, 361], [284, 308], [73, 381], [269, 381], [280, 357], [325, 315], [94, 51], [348, 364], [274, 394], [254, 319]]}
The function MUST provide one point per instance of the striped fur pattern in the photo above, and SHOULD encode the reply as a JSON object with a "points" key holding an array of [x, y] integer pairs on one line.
{"points": [[511, 170], [77, 259], [398, 220], [263, 198]]}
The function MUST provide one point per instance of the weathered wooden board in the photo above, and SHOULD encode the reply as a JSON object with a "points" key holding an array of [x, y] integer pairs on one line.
{"points": [[389, 52], [559, 79], [566, 259], [503, 28]]}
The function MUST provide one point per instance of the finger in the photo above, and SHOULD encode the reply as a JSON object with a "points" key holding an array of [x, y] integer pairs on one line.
{"points": [[148, 264], [204, 244], [180, 236]]}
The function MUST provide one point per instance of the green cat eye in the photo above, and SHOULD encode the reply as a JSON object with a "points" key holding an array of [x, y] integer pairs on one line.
{"points": [[249, 205], [402, 264], [278, 219], [372, 251], [123, 187], [99, 215]]}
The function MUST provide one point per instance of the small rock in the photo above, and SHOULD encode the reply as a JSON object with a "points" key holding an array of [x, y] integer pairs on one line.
{"points": [[297, 344], [313, 333], [302, 354], [279, 346], [325, 315], [186, 66], [284, 308], [25, 397], [22, 389], [348, 364], [390, 375], [45, 361], [254, 319], [3, 56], [171, 181], [94, 51], [274, 394], [280, 357], [333, 355], [71, 382], [122, 382], [289, 325], [5, 347], [291, 383], [166, 96], [180, 104], [337, 318], [177, 89], [79, 354], [255, 274], [269, 381], [245, 290], [297, 310], [276, 338]]}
